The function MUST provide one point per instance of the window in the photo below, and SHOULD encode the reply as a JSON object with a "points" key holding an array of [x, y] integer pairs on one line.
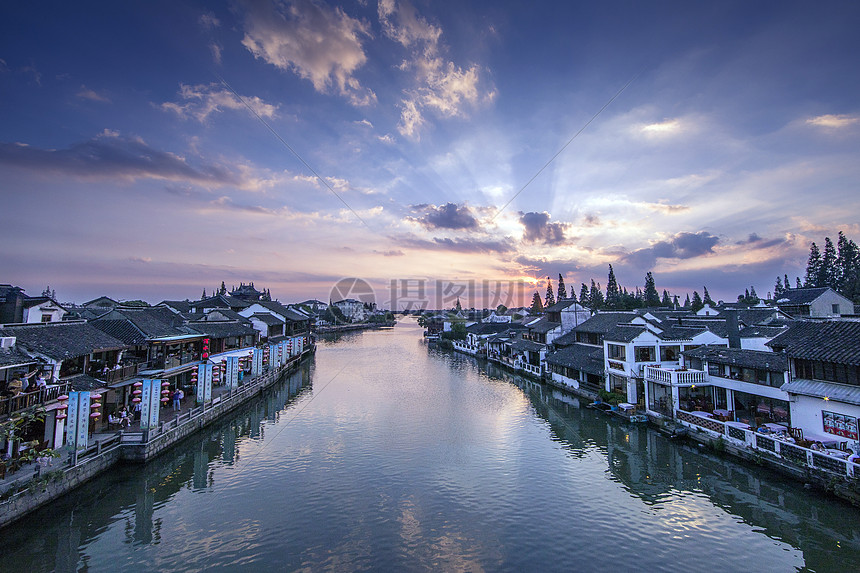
{"points": [[715, 369], [645, 354], [618, 384], [835, 308], [669, 353], [617, 352], [46, 318]]}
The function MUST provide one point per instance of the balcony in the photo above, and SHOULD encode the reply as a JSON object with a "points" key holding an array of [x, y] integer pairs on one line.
{"points": [[673, 376], [11, 404]]}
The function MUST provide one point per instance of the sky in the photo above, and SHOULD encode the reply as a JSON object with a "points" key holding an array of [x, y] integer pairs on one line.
{"points": [[150, 150]]}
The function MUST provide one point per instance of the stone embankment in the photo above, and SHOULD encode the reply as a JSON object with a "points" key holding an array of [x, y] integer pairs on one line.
{"points": [[129, 447]]}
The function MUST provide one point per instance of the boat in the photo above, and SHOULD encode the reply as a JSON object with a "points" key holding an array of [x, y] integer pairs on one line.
{"points": [[600, 406], [673, 430]]}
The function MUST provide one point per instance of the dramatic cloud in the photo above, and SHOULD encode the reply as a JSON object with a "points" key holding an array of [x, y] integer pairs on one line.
{"points": [[441, 85], [757, 242], [316, 42], [457, 245], [86, 93], [538, 229], [681, 246], [201, 101], [111, 157], [833, 121], [448, 216]]}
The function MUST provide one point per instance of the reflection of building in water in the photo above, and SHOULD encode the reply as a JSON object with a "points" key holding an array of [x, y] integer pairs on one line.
{"points": [[652, 467]]}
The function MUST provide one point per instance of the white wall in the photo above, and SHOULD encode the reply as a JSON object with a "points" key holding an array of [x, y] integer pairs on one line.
{"points": [[806, 414]]}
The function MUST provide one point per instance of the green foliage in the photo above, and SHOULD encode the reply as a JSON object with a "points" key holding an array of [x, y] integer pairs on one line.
{"points": [[611, 398], [334, 315], [537, 305], [652, 299], [550, 298], [457, 332]]}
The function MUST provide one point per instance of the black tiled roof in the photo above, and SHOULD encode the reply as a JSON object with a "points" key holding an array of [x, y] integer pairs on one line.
{"points": [[527, 345], [225, 329], [761, 359], [797, 296], [267, 319], [585, 358], [603, 322], [543, 325], [832, 341], [62, 340], [560, 305], [482, 328], [135, 326], [179, 305], [14, 356], [85, 383]]}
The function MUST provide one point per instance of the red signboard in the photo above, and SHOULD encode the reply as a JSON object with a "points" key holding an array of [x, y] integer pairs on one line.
{"points": [[840, 425]]}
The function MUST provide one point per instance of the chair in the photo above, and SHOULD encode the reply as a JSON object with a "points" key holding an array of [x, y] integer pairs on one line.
{"points": [[796, 433]]}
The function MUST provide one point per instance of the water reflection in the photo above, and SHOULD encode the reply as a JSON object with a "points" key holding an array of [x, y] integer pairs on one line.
{"points": [[658, 471], [56, 538]]}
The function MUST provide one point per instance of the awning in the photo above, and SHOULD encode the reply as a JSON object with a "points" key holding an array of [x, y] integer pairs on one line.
{"points": [[829, 390], [242, 352]]}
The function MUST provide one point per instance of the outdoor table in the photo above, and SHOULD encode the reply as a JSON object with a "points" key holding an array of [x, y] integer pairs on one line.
{"points": [[703, 414], [740, 425], [775, 427], [721, 412], [837, 453], [827, 440], [624, 406]]}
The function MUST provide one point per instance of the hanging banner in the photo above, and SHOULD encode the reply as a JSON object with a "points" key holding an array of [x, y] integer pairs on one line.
{"points": [[232, 375], [78, 428], [149, 389], [155, 404], [257, 362], [204, 383], [273, 356]]}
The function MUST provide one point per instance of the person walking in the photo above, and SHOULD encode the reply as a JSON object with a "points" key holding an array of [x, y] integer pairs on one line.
{"points": [[177, 399]]}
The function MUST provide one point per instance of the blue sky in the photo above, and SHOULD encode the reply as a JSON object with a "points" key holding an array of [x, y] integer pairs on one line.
{"points": [[145, 148]]}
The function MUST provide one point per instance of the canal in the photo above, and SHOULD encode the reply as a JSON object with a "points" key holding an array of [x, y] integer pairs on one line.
{"points": [[384, 454]]}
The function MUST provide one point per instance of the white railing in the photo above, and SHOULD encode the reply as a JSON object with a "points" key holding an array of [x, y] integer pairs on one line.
{"points": [[771, 445], [673, 377]]}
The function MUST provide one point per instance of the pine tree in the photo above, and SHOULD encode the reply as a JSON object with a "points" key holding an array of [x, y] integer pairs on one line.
{"points": [[223, 289], [667, 302], [596, 296], [613, 296], [848, 265], [797, 282], [687, 302], [459, 307], [203, 296], [562, 290], [706, 297], [584, 298], [696, 305], [752, 297], [777, 288], [786, 284], [813, 267], [652, 299], [550, 298], [675, 301], [827, 275], [537, 306], [573, 293]]}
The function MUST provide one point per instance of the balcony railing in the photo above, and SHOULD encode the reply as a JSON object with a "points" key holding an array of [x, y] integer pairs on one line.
{"points": [[11, 404], [673, 377]]}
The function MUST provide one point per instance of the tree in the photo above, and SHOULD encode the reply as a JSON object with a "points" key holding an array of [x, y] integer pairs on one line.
{"points": [[687, 302], [675, 301], [595, 295], [827, 276], [778, 288], [550, 298], [459, 307], [813, 267], [203, 296], [652, 299], [667, 302], [786, 284], [537, 305], [584, 298], [696, 305], [562, 290], [706, 297], [797, 282], [753, 298], [613, 296], [223, 289]]}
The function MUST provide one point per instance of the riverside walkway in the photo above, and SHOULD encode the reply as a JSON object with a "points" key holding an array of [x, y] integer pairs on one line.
{"points": [[37, 483]]}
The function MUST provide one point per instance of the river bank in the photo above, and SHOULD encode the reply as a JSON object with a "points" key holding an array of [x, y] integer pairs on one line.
{"points": [[51, 482]]}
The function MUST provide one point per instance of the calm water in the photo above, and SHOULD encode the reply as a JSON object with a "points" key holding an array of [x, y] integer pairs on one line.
{"points": [[383, 454]]}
